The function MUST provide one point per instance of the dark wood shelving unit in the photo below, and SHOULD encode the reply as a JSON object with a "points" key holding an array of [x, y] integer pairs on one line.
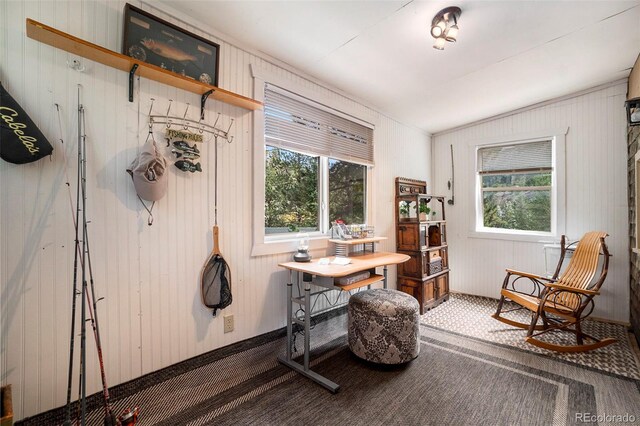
{"points": [[425, 275]]}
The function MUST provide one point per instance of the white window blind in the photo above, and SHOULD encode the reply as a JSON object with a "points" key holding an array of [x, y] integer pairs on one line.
{"points": [[517, 158], [297, 125]]}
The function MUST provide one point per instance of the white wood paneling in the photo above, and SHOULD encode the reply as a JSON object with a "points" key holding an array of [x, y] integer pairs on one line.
{"points": [[151, 316], [596, 192]]}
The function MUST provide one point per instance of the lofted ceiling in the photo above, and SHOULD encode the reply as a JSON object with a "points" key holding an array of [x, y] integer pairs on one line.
{"points": [[509, 54]]}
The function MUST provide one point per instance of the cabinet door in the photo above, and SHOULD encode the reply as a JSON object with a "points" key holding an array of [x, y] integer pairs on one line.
{"points": [[443, 233], [412, 237], [424, 238], [442, 286], [410, 286], [428, 292], [416, 266], [407, 237], [444, 253]]}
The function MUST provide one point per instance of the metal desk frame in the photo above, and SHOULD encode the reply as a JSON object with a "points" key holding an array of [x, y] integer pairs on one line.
{"points": [[324, 278]]}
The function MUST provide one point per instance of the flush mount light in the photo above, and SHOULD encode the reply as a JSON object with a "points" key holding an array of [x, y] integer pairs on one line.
{"points": [[444, 26]]}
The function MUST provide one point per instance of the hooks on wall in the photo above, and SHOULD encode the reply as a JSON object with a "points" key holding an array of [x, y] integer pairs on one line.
{"points": [[187, 124], [76, 65]]}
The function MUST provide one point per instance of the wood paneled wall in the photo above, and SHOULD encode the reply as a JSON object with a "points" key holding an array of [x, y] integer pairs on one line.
{"points": [[596, 192], [151, 316]]}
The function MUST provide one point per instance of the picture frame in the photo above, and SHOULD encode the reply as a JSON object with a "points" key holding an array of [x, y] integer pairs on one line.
{"points": [[158, 42]]}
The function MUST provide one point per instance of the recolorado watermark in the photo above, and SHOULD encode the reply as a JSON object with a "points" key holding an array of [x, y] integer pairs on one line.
{"points": [[605, 418]]}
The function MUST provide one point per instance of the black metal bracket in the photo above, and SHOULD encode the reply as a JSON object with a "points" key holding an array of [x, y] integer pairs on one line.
{"points": [[132, 73], [203, 101]]}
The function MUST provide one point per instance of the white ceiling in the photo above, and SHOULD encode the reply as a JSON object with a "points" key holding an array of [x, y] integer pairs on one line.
{"points": [[509, 54]]}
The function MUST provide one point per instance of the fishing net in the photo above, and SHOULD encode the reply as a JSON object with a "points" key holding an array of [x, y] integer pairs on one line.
{"points": [[216, 288]]}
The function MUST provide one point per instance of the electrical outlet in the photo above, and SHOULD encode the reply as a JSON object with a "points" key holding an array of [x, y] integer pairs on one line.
{"points": [[228, 323]]}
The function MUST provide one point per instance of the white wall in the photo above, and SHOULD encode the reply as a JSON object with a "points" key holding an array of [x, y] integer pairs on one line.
{"points": [[151, 316], [596, 192]]}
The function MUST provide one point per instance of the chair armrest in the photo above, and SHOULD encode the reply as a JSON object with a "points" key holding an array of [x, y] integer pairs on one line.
{"points": [[528, 275], [554, 286]]}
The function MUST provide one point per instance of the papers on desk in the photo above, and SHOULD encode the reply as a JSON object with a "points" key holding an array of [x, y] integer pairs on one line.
{"points": [[336, 261]]}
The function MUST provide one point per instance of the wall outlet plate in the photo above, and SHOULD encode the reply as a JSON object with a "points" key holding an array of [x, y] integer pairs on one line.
{"points": [[228, 323]]}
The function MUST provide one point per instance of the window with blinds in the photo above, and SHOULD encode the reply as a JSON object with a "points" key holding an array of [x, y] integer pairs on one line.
{"points": [[316, 164], [516, 183], [295, 124]]}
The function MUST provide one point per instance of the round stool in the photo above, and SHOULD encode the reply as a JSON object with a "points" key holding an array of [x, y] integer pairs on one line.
{"points": [[384, 326]]}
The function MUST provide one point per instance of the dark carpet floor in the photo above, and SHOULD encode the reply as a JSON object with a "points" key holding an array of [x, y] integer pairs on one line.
{"points": [[456, 380]]}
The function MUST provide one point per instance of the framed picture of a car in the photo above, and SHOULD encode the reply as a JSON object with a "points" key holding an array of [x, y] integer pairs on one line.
{"points": [[158, 42]]}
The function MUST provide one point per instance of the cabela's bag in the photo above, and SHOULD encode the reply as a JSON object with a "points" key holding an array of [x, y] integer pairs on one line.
{"points": [[20, 140]]}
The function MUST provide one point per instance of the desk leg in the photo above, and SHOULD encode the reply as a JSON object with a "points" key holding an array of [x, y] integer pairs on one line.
{"points": [[307, 324], [384, 281], [303, 369], [289, 315]]}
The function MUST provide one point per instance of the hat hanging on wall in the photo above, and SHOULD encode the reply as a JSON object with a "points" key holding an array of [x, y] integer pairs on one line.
{"points": [[148, 172], [20, 139]]}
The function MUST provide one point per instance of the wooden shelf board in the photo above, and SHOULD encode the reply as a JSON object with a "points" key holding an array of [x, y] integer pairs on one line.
{"points": [[71, 44], [421, 222], [432, 248], [371, 280], [428, 277], [358, 241], [444, 271]]}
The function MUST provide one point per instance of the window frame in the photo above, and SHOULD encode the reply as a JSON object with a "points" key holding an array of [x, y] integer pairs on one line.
{"points": [[264, 244], [558, 187]]}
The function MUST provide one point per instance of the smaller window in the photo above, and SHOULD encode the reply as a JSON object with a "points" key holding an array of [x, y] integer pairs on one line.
{"points": [[515, 184], [347, 191]]}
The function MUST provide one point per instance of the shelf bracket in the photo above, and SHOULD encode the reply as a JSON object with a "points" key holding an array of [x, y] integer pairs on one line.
{"points": [[203, 101], [132, 73]]}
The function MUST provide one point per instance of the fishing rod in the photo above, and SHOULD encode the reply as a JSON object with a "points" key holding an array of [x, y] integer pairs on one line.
{"points": [[83, 315], [82, 256], [75, 279], [451, 182], [110, 418]]}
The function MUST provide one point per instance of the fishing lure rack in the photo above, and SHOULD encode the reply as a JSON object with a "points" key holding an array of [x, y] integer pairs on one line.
{"points": [[172, 121]]}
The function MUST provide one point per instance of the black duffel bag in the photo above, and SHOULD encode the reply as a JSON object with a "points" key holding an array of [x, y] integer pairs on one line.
{"points": [[20, 140]]}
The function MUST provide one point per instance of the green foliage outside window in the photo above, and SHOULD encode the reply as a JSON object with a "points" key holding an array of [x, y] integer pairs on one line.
{"points": [[525, 204], [292, 197], [291, 191], [347, 191]]}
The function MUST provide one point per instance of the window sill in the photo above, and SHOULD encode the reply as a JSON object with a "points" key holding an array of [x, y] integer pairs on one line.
{"points": [[526, 237], [287, 246]]}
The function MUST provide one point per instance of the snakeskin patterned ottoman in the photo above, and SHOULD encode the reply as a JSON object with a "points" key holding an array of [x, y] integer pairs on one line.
{"points": [[384, 326]]}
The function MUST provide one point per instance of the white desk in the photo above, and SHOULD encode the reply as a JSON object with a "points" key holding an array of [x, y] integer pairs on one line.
{"points": [[324, 275]]}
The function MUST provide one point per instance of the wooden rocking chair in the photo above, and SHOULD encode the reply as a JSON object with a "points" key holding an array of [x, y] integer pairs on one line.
{"points": [[561, 303]]}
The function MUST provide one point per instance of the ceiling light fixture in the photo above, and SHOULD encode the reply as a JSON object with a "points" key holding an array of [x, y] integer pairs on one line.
{"points": [[444, 26]]}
